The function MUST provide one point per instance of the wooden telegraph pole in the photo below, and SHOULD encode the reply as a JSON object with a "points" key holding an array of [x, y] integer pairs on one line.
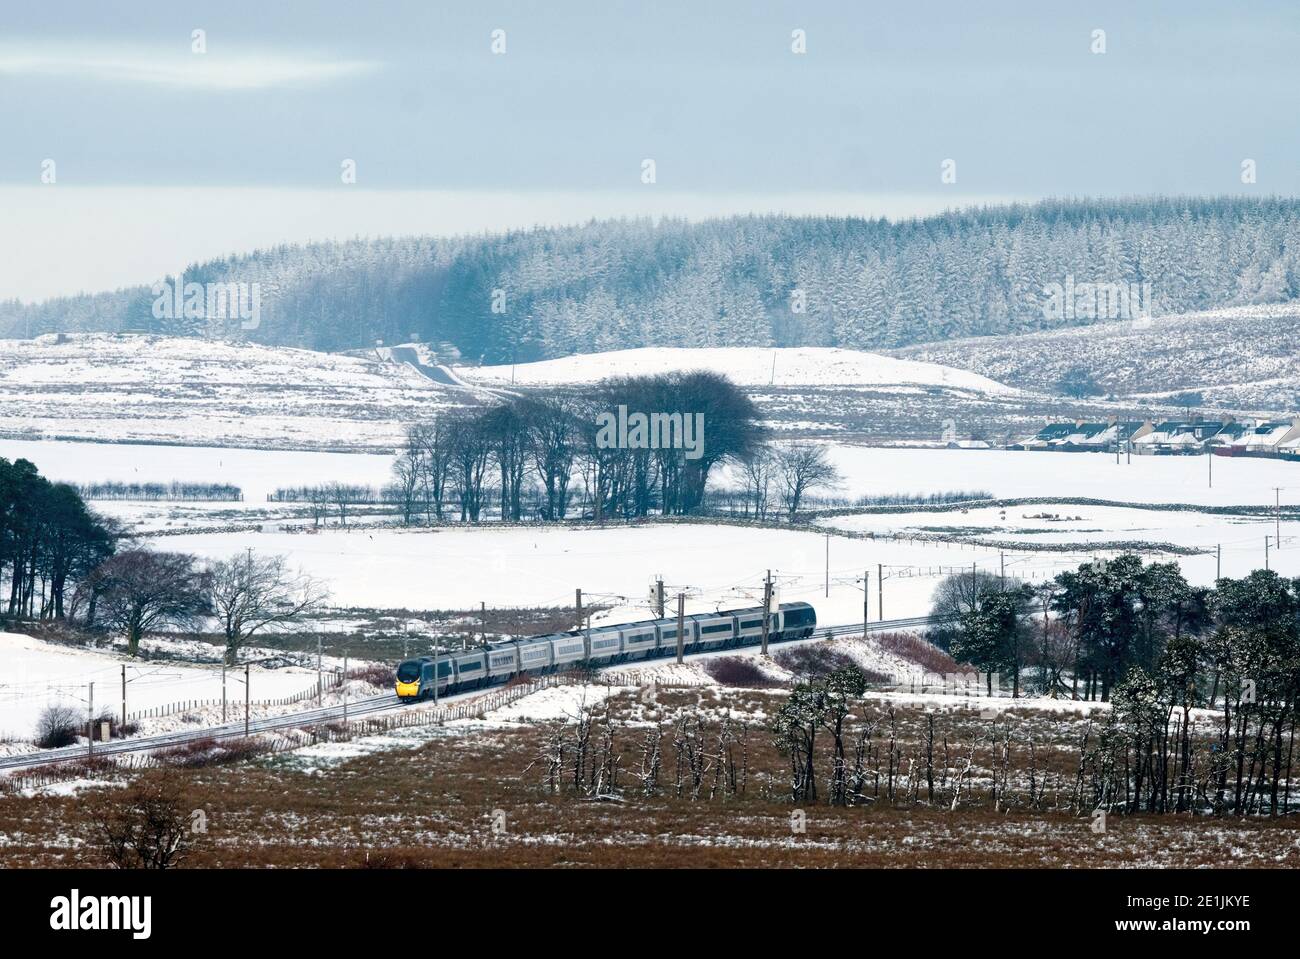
{"points": [[767, 608], [866, 600], [681, 624]]}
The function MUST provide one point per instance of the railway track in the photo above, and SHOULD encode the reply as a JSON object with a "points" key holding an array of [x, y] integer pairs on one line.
{"points": [[308, 717]]}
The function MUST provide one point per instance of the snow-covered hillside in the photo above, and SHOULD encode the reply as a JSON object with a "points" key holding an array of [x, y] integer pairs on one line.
{"points": [[172, 389], [746, 366], [1242, 358]]}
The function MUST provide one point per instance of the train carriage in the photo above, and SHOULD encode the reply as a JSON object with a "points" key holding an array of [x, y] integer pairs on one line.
{"points": [[471, 669], [750, 625], [639, 640], [503, 661], [534, 654], [568, 648], [714, 631], [605, 644], [667, 629]]}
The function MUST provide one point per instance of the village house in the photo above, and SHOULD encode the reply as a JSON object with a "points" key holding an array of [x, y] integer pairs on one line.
{"points": [[1229, 437], [1082, 436]]}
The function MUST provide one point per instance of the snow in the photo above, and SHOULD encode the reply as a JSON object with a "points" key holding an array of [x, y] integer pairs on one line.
{"points": [[745, 366], [256, 472], [131, 387], [1238, 481], [35, 674], [554, 703]]}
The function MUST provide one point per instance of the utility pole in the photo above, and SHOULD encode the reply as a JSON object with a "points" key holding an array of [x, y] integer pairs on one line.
{"points": [[659, 597], [482, 622], [1002, 575], [1218, 562], [880, 592], [320, 681], [247, 699], [223, 692], [435, 673], [345, 686], [866, 600], [577, 601], [681, 625], [90, 724], [828, 565], [124, 694], [767, 608], [1277, 515]]}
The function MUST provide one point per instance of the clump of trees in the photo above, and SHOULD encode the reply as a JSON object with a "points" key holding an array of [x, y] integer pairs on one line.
{"points": [[49, 540], [1154, 646], [690, 757], [533, 449]]}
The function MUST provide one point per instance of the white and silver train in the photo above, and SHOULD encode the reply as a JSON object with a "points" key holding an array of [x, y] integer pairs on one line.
{"points": [[602, 646]]}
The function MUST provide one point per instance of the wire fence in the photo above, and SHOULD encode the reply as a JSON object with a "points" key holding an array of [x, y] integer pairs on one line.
{"points": [[332, 680], [336, 729]]}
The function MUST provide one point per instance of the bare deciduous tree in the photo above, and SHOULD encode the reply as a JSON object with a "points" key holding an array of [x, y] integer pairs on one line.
{"points": [[141, 590], [145, 827], [801, 467], [251, 594]]}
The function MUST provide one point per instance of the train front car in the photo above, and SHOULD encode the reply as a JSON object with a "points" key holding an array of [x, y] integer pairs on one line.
{"points": [[798, 620], [409, 673]]}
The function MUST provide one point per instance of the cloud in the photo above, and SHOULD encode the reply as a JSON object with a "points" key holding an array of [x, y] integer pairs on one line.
{"points": [[192, 71]]}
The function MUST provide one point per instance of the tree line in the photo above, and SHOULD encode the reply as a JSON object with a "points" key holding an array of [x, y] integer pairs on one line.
{"points": [[738, 281], [175, 491]]}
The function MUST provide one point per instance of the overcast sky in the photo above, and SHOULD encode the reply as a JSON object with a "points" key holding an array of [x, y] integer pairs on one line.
{"points": [[248, 137]]}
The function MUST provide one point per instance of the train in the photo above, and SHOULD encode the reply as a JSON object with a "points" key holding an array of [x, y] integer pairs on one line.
{"points": [[602, 646]]}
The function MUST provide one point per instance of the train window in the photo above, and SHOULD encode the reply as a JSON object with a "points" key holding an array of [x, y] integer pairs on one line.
{"points": [[719, 628], [409, 671]]}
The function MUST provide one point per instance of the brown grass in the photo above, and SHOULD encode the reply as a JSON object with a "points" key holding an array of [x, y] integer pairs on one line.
{"points": [[436, 805]]}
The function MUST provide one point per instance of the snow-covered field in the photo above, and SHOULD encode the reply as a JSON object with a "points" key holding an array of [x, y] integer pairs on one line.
{"points": [[719, 566], [1013, 473], [866, 471], [119, 388], [745, 366], [35, 674], [256, 472], [1241, 538]]}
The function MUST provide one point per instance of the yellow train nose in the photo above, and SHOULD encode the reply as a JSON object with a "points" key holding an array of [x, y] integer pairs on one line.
{"points": [[408, 689]]}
